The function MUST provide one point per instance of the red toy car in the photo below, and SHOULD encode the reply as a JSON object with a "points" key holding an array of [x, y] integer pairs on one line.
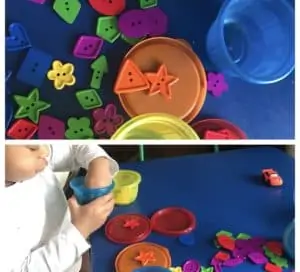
{"points": [[272, 177]]}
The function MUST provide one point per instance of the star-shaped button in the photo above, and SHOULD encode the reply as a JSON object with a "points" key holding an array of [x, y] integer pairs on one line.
{"points": [[145, 257], [30, 106], [131, 223], [161, 82]]}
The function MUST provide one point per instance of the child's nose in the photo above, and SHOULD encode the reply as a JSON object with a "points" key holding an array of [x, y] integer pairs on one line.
{"points": [[44, 152]]}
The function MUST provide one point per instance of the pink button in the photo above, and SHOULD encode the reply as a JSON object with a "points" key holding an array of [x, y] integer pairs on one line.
{"points": [[38, 1], [51, 128]]}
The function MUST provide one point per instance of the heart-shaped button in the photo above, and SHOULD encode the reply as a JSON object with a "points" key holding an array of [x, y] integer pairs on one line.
{"points": [[17, 39], [226, 242]]}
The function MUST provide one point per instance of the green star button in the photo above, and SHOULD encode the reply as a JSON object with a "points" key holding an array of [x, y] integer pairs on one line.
{"points": [[68, 10], [30, 106], [79, 129], [89, 99], [144, 4], [107, 28], [99, 67]]}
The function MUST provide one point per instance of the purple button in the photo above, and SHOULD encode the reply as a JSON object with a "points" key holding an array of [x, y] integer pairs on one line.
{"points": [[191, 266], [88, 47], [257, 258], [51, 128], [134, 23], [38, 1], [159, 21]]}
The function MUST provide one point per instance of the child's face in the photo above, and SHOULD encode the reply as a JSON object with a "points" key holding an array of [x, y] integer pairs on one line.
{"points": [[24, 161]]}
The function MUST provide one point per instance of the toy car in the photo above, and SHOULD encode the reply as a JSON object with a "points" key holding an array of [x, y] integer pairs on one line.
{"points": [[272, 177]]}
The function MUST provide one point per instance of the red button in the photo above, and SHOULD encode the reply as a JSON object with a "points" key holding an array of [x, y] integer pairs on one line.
{"points": [[173, 221], [128, 228], [108, 7], [22, 129]]}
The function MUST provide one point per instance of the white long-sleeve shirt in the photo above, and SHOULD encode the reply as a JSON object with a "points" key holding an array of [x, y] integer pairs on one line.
{"points": [[35, 224]]}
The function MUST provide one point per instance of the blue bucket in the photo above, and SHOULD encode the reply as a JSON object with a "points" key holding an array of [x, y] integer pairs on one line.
{"points": [[151, 269], [289, 240], [253, 40], [85, 195]]}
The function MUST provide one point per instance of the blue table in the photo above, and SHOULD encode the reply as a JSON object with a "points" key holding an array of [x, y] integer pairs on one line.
{"points": [[263, 112], [224, 191]]}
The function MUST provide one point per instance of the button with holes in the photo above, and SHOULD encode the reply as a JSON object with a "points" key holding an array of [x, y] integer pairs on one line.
{"points": [[67, 10], [22, 129], [17, 39], [144, 4], [99, 67], [108, 7], [134, 23], [159, 21], [107, 28], [88, 47], [34, 67], [89, 99], [30, 106], [79, 129], [51, 128]]}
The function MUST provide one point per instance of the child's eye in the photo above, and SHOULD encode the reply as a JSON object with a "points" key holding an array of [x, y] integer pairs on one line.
{"points": [[33, 147]]}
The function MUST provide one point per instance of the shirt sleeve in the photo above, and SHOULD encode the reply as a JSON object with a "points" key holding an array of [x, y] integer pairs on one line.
{"points": [[58, 255], [64, 157]]}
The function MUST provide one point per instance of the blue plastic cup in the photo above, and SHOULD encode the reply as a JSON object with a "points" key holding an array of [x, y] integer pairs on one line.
{"points": [[253, 40], [84, 194]]}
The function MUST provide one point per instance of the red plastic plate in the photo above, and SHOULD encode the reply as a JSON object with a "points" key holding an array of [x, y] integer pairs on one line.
{"points": [[173, 221], [128, 228], [217, 124]]}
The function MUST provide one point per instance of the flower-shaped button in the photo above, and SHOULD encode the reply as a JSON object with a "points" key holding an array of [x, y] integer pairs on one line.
{"points": [[79, 129], [107, 120], [176, 269], [216, 84], [62, 74]]}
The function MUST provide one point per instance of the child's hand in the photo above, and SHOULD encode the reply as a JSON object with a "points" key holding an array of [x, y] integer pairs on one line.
{"points": [[90, 217], [98, 174]]}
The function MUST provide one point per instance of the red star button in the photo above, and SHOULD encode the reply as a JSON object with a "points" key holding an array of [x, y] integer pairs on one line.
{"points": [[131, 223], [161, 82]]}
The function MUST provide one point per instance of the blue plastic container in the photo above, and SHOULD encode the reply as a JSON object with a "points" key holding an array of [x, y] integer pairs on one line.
{"points": [[253, 40], [85, 195], [289, 240], [151, 269]]}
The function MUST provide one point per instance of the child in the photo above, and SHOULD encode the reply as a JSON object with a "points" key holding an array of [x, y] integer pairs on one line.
{"points": [[42, 231]]}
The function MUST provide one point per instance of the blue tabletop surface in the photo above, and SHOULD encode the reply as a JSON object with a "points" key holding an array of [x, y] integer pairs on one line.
{"points": [[263, 112], [223, 190]]}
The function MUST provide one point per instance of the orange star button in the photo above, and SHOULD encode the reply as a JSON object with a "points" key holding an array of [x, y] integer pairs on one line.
{"points": [[131, 223], [145, 257], [161, 82]]}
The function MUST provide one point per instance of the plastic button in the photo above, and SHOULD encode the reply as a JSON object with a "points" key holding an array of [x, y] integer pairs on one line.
{"points": [[22, 129], [108, 7], [30, 106], [89, 99], [88, 47], [68, 10], [99, 67], [79, 129], [51, 128], [107, 28]]}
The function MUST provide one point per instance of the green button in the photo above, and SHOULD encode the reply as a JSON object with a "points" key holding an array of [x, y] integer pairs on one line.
{"points": [[207, 269], [79, 129], [131, 41], [68, 10], [148, 3], [224, 232], [89, 99], [99, 67], [243, 236], [30, 106], [281, 262], [107, 28], [269, 253]]}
